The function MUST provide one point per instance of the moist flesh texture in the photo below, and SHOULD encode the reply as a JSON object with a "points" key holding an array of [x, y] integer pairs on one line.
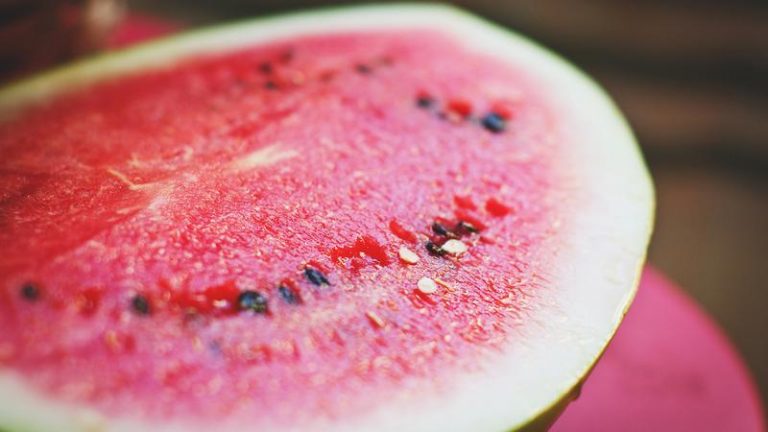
{"points": [[135, 213]]}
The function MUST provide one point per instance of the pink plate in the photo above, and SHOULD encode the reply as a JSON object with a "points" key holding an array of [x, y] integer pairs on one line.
{"points": [[670, 368]]}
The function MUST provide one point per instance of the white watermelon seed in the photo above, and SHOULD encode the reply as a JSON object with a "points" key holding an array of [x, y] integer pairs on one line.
{"points": [[408, 255], [454, 247], [375, 319], [427, 286], [445, 284]]}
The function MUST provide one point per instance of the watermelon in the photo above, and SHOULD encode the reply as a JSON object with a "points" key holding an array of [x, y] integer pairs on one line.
{"points": [[372, 218]]}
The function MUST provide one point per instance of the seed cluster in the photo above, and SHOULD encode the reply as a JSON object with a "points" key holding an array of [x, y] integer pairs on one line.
{"points": [[446, 238], [245, 300], [454, 247], [447, 241], [458, 110], [274, 76], [434, 249]]}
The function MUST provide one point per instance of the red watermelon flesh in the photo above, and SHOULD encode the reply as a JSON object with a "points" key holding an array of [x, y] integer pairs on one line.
{"points": [[192, 184], [236, 235]]}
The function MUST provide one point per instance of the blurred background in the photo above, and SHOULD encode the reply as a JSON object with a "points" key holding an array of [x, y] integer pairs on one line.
{"points": [[691, 76]]}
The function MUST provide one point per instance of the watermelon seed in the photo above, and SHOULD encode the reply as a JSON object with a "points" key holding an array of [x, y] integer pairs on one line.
{"points": [[439, 229], [375, 319], [444, 284], [466, 227], [434, 249], [454, 247], [493, 122], [288, 295], [316, 276], [30, 291], [253, 301], [140, 304], [424, 101], [408, 255], [270, 85], [426, 286], [363, 69], [265, 68]]}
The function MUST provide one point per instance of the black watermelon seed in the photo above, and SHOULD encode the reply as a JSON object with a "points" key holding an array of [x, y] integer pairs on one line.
{"points": [[140, 305], [316, 276], [363, 69], [288, 295], [424, 102], [434, 249], [30, 291], [252, 301], [439, 229], [265, 68], [270, 85], [494, 123]]}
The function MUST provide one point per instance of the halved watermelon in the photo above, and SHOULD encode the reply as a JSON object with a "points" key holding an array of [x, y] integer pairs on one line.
{"points": [[377, 218]]}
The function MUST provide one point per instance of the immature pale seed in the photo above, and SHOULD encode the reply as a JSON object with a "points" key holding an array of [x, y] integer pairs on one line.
{"points": [[427, 286], [408, 255], [454, 247], [375, 319], [444, 284]]}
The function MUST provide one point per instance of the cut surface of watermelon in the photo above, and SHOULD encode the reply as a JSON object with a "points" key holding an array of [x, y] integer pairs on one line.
{"points": [[363, 219]]}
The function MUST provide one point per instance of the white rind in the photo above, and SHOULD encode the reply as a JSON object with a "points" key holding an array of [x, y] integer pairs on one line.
{"points": [[603, 245]]}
